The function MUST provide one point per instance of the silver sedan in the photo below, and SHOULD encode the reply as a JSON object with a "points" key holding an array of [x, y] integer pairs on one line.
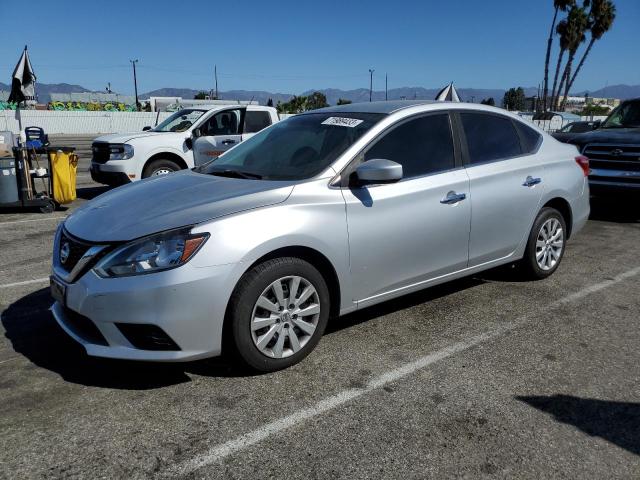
{"points": [[317, 216]]}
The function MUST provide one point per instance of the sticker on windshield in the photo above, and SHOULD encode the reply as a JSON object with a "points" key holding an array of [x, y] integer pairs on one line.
{"points": [[342, 122]]}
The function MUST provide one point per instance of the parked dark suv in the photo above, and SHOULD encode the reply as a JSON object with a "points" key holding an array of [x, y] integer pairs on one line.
{"points": [[614, 150]]}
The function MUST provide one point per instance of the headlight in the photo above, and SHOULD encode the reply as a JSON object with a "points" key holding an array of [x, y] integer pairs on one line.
{"points": [[151, 254], [120, 151]]}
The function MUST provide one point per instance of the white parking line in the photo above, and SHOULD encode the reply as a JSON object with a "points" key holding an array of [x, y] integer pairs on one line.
{"points": [[42, 219], [26, 282], [219, 452]]}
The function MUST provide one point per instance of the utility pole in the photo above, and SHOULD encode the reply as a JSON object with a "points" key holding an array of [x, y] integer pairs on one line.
{"points": [[386, 87], [215, 74], [371, 70], [135, 82]]}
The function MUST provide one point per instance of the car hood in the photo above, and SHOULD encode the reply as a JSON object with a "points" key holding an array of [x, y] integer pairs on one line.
{"points": [[126, 137], [169, 201], [608, 135]]}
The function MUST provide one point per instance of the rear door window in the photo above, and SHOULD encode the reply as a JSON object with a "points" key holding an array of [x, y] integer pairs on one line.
{"points": [[256, 121], [422, 146], [490, 137]]}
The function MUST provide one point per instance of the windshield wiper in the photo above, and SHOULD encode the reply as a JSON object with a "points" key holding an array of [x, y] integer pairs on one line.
{"points": [[236, 174]]}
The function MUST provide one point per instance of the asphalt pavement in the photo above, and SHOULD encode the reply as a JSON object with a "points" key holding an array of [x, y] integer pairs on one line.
{"points": [[485, 377]]}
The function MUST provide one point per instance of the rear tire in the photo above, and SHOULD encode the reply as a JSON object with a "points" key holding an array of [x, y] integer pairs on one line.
{"points": [[545, 246], [160, 166], [297, 303]]}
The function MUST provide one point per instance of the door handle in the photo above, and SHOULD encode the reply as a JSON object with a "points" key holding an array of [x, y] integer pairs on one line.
{"points": [[453, 197], [228, 142], [531, 181]]}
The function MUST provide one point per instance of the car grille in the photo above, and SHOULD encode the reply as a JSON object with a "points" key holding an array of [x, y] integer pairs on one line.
{"points": [[76, 250], [613, 157], [101, 152]]}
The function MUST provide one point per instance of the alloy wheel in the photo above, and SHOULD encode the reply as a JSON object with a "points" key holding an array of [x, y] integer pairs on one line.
{"points": [[549, 244], [285, 317]]}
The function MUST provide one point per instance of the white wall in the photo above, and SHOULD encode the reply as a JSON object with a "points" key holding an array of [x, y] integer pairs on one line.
{"points": [[54, 122]]}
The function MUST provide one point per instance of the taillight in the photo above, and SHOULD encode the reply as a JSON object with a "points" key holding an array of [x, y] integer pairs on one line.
{"points": [[583, 163]]}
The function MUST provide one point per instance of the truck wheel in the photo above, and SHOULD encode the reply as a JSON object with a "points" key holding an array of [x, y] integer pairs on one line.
{"points": [[160, 167]]}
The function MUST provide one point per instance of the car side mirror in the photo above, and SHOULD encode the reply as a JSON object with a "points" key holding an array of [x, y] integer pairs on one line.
{"points": [[597, 124], [144, 129], [378, 171], [196, 133]]}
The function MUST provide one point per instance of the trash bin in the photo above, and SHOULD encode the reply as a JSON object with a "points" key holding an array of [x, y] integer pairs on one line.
{"points": [[8, 183], [64, 165]]}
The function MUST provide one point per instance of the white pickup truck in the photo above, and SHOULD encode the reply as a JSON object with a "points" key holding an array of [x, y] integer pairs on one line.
{"points": [[121, 158]]}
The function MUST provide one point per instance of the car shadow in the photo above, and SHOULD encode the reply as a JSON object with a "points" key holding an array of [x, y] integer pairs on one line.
{"points": [[615, 208], [34, 333], [616, 422], [402, 303], [89, 193]]}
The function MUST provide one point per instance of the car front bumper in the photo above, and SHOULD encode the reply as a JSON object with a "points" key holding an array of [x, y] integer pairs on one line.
{"points": [[187, 303]]}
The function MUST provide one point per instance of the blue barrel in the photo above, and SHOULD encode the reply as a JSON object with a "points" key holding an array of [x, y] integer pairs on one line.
{"points": [[8, 184]]}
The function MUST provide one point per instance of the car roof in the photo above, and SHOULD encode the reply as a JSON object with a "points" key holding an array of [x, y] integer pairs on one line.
{"points": [[374, 107]]}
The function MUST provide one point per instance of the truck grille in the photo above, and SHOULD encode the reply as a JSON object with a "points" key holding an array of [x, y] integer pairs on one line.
{"points": [[100, 151], [613, 157]]}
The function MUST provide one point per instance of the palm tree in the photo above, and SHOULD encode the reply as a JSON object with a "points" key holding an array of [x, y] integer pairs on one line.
{"points": [[559, 5], [563, 32], [601, 17], [579, 24]]}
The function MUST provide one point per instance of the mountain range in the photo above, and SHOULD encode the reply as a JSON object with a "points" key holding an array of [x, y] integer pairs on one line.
{"points": [[333, 94]]}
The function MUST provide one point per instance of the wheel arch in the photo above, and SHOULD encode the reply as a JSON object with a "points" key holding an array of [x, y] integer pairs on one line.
{"points": [[174, 157], [311, 255], [564, 207], [315, 258]]}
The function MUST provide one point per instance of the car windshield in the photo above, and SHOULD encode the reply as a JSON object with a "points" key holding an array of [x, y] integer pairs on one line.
{"points": [[180, 121], [294, 149], [626, 115]]}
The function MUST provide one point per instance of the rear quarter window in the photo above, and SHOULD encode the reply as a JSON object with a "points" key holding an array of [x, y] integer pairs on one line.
{"points": [[529, 138]]}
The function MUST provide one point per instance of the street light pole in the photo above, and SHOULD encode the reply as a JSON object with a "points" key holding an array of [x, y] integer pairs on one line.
{"points": [[135, 82], [386, 87], [371, 70]]}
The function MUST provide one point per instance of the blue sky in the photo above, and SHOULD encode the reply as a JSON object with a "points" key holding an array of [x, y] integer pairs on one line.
{"points": [[292, 46]]}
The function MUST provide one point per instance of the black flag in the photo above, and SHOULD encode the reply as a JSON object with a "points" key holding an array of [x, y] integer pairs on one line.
{"points": [[23, 82]]}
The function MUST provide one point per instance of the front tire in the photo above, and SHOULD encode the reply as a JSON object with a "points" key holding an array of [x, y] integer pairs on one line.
{"points": [[546, 245], [277, 314], [160, 166]]}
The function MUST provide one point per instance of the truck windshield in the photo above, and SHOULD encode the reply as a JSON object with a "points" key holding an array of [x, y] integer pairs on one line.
{"points": [[180, 121], [626, 115], [294, 149]]}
